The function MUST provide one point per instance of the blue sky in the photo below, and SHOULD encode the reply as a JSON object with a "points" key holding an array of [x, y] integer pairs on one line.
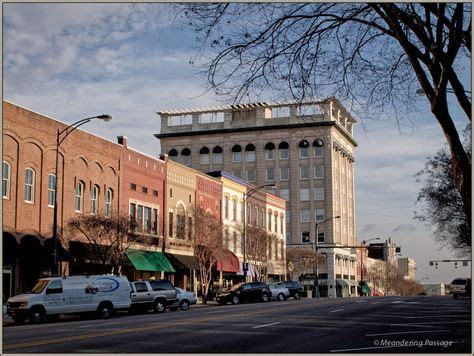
{"points": [[70, 61]]}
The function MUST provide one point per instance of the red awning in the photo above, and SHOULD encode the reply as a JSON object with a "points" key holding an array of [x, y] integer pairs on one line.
{"points": [[226, 260]]}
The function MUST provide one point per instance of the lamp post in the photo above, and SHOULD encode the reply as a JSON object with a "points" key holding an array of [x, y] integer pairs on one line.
{"points": [[246, 196], [60, 136], [316, 265]]}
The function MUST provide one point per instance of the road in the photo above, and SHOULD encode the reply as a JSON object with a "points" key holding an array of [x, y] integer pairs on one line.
{"points": [[369, 324]]}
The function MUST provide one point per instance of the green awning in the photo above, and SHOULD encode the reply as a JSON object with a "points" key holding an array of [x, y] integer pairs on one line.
{"points": [[149, 261], [343, 283]]}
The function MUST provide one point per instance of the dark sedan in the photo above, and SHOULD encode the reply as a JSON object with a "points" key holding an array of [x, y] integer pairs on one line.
{"points": [[245, 292], [295, 288]]}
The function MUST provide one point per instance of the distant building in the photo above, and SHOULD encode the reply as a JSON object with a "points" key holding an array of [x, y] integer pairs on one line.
{"points": [[406, 266]]}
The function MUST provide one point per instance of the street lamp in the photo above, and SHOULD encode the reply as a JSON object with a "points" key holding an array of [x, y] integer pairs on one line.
{"points": [[246, 196], [316, 265], [60, 136]]}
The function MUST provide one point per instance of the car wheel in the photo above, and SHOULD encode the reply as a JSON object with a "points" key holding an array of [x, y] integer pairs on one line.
{"points": [[235, 300], [296, 296], [184, 305], [20, 319], [265, 297], [36, 316], [159, 306], [281, 297], [104, 311]]}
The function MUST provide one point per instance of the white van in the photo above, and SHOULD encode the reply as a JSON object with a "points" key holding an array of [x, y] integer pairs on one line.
{"points": [[71, 295]]}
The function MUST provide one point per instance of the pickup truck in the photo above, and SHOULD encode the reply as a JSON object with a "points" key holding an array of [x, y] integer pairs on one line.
{"points": [[156, 295]]}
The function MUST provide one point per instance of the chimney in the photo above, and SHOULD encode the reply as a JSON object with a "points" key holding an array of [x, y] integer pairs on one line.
{"points": [[122, 140]]}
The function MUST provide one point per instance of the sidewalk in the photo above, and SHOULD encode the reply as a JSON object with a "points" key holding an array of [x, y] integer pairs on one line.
{"points": [[210, 303]]}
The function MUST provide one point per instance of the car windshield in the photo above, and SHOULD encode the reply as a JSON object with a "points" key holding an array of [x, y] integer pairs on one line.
{"points": [[459, 281], [39, 286]]}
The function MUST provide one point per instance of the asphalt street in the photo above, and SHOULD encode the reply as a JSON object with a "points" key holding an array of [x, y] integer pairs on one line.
{"points": [[368, 325]]}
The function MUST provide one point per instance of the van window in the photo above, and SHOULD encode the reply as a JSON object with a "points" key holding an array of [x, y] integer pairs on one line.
{"points": [[461, 282], [39, 286], [55, 287], [161, 285], [141, 287]]}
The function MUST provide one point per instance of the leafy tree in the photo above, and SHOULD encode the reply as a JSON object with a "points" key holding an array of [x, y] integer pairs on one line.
{"points": [[207, 245], [107, 238], [373, 56], [441, 205]]}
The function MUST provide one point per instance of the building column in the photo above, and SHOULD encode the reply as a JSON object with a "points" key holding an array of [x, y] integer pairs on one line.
{"points": [[331, 270]]}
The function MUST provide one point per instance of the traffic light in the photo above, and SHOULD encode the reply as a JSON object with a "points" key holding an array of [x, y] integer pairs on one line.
{"points": [[436, 265], [455, 265]]}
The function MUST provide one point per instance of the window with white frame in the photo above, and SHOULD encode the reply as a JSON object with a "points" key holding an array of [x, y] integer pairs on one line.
{"points": [[275, 223], [270, 151], [237, 173], [109, 194], [6, 172], [304, 172], [282, 222], [269, 221], [283, 111], [319, 193], [304, 194], [51, 189], [305, 237], [270, 172], [79, 200], [251, 175], [217, 155], [234, 209], [250, 153], [284, 173], [318, 146], [320, 236], [94, 199], [319, 172], [29, 185], [304, 149], [283, 147], [204, 155], [226, 207], [319, 214], [186, 156], [285, 193], [237, 157], [304, 215]]}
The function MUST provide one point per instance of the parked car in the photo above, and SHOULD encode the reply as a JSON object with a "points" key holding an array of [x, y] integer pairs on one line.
{"points": [[295, 288], [279, 293], [51, 297], [156, 295], [245, 292], [460, 287], [185, 299]]}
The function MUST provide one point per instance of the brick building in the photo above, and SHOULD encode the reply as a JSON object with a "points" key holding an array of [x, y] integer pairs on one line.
{"points": [[88, 183]]}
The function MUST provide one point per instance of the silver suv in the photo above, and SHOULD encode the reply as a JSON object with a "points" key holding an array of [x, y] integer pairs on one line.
{"points": [[152, 294], [458, 287]]}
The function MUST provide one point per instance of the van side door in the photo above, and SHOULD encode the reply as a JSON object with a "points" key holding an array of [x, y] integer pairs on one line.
{"points": [[54, 298]]}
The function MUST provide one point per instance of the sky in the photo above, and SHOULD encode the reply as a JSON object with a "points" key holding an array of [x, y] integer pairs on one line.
{"points": [[71, 61]]}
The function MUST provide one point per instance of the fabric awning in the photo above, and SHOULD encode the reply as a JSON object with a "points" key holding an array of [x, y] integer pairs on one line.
{"points": [[343, 283], [183, 261], [226, 261], [149, 261]]}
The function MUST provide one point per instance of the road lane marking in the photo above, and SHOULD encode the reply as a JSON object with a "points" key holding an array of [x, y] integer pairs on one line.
{"points": [[264, 325], [335, 311], [375, 303], [410, 332]]}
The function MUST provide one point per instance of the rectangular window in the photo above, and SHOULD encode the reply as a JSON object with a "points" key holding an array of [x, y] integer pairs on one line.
{"points": [[133, 212], [270, 174], [288, 238], [275, 223], [304, 215], [226, 207], [170, 224], [304, 152], [270, 221], [155, 193], [51, 192], [186, 160], [319, 214], [29, 185], [284, 173], [147, 220], [283, 111], [6, 180], [145, 190], [282, 222], [204, 158], [140, 218], [284, 153], [155, 222], [318, 151], [304, 172], [251, 176], [319, 172], [217, 158], [269, 155], [94, 199], [250, 156], [305, 237], [236, 157], [287, 216], [133, 186], [319, 193], [79, 196], [108, 202], [285, 193], [320, 236], [304, 194], [234, 209], [237, 173]]}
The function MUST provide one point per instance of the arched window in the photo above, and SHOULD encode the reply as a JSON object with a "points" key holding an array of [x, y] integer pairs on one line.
{"points": [[29, 185], [51, 189], [109, 194], [234, 209], [217, 155], [236, 154], [269, 151], [204, 155], [304, 149], [250, 153], [94, 199], [226, 207], [6, 172], [79, 197], [283, 147], [173, 155], [180, 223], [186, 156], [318, 148]]}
